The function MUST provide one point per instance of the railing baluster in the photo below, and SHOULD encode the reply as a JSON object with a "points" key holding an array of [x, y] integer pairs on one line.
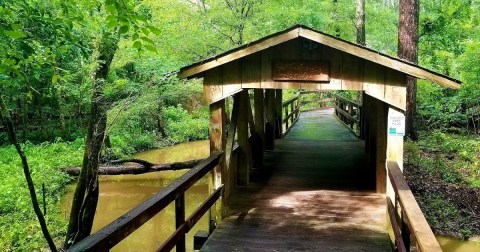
{"points": [[180, 220], [405, 232]]}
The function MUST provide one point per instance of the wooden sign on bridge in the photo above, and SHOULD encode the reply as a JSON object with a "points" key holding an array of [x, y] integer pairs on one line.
{"points": [[317, 71]]}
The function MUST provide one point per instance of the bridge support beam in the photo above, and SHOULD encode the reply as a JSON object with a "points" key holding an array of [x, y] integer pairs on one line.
{"points": [[243, 169], [278, 113], [218, 144], [259, 115], [270, 116], [376, 115]]}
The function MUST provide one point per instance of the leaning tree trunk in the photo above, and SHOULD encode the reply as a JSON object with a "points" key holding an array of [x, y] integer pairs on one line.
{"points": [[7, 120], [408, 50], [86, 193]]}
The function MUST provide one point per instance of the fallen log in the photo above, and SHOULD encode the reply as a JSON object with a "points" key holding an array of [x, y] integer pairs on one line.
{"points": [[135, 169]]}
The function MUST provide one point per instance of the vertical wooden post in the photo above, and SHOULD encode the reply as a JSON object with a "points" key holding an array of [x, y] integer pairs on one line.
{"points": [[270, 115], [405, 232], [259, 121], [218, 144], [278, 112], [243, 169], [179, 220], [381, 145]]}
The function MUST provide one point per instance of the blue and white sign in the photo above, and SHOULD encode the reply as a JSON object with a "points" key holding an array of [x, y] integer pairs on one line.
{"points": [[396, 125]]}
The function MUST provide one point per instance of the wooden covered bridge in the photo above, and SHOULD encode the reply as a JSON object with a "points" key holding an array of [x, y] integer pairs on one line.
{"points": [[281, 180]]}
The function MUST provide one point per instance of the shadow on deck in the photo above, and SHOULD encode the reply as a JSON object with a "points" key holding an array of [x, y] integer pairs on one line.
{"points": [[316, 197]]}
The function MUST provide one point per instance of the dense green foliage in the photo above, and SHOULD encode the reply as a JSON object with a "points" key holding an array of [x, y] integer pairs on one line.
{"points": [[20, 229], [443, 170], [47, 58]]}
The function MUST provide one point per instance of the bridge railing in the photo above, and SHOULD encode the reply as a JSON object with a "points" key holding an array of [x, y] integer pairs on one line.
{"points": [[107, 237], [406, 217], [291, 107], [350, 113]]}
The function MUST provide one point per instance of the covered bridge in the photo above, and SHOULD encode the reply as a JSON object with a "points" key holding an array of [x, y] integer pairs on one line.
{"points": [[281, 180]]}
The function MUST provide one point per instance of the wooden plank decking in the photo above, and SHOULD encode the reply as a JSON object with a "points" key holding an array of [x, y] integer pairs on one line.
{"points": [[315, 198]]}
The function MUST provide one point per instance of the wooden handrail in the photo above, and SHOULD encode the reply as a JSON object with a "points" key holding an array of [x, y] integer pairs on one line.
{"points": [[349, 112], [292, 112], [412, 215], [348, 101], [116, 231]]}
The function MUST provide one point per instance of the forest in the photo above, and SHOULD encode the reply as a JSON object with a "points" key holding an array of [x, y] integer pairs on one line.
{"points": [[66, 63]]}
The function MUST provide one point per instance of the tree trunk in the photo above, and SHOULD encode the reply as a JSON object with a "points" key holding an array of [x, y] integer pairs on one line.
{"points": [[136, 169], [336, 18], [86, 193], [360, 22], [408, 50], [5, 116]]}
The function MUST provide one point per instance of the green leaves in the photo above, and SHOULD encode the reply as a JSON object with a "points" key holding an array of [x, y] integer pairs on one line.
{"points": [[123, 29], [15, 34]]}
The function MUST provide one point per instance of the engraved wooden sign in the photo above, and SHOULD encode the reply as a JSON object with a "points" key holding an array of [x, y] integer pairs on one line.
{"points": [[301, 71]]}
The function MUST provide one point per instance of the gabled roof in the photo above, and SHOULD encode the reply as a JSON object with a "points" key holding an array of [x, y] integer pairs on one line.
{"points": [[400, 65]]}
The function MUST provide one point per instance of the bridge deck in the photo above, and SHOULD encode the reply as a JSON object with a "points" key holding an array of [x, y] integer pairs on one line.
{"points": [[315, 198]]}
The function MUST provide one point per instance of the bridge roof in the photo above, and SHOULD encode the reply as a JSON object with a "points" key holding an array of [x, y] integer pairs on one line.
{"points": [[197, 69]]}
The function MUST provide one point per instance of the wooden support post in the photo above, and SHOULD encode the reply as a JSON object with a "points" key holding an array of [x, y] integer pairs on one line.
{"points": [[405, 232], [259, 122], [270, 116], [179, 220], [278, 113], [381, 145], [243, 169], [218, 144]]}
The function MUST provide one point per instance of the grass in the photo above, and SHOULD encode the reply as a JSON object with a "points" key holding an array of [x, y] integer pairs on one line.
{"points": [[20, 229]]}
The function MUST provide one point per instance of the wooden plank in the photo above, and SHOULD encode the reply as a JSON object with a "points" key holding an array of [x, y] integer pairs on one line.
{"points": [[378, 58], [381, 116], [336, 70], [212, 85], [218, 143], [278, 113], [400, 246], [270, 116], [259, 121], [180, 244], [374, 80], [419, 227], [251, 71], [113, 233], [395, 90], [243, 168], [352, 72], [239, 53], [232, 78], [230, 177], [187, 225], [296, 208], [266, 72]]}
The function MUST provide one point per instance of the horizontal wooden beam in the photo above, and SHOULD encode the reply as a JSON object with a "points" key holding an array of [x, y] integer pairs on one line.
{"points": [[378, 58], [415, 219], [345, 100], [235, 54], [348, 116]]}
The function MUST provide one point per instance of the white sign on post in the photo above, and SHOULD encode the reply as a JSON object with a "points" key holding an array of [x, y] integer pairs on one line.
{"points": [[396, 125]]}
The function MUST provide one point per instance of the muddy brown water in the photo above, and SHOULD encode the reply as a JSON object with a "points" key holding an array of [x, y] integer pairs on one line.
{"points": [[121, 193]]}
